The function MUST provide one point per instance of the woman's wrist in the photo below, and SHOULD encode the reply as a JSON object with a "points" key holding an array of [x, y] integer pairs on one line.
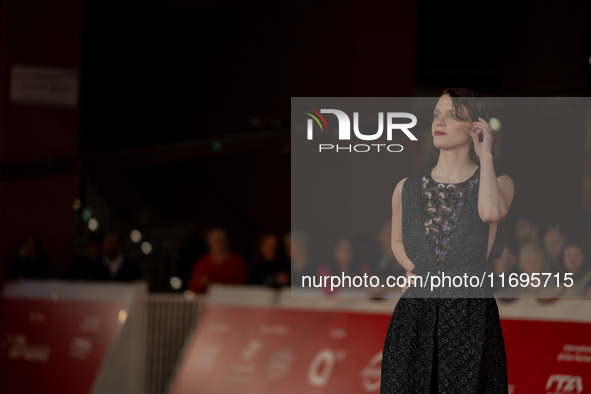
{"points": [[486, 156]]}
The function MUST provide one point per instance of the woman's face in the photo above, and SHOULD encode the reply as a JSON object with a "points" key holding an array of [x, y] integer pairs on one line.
{"points": [[573, 259], [447, 129]]}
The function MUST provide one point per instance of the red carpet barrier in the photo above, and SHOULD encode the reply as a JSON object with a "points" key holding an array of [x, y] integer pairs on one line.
{"points": [[267, 350], [72, 337], [548, 357], [54, 347], [243, 349]]}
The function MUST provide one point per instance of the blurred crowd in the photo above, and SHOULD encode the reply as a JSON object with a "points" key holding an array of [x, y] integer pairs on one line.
{"points": [[530, 250], [527, 249], [106, 260], [536, 250]]}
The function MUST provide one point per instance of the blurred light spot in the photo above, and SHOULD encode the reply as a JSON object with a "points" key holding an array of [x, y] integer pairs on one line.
{"points": [[76, 204], [86, 214], [93, 224], [146, 247], [216, 146], [122, 317], [136, 236], [189, 295], [54, 297], [495, 124], [176, 282]]}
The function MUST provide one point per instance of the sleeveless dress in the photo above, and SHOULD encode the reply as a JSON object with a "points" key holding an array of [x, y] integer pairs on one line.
{"points": [[448, 340]]}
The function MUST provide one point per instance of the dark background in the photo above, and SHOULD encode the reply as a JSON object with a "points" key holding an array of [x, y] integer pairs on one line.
{"points": [[183, 115]]}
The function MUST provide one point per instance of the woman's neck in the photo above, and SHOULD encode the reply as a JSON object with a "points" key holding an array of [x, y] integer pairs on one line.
{"points": [[453, 173], [453, 167]]}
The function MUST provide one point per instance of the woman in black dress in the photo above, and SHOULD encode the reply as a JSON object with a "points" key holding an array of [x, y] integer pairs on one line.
{"points": [[444, 221]]}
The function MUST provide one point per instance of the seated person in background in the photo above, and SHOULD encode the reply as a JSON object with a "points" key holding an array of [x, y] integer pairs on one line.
{"points": [[268, 268], [505, 265], [115, 265], [30, 263], [527, 230], [532, 260], [345, 261], [83, 263], [301, 264], [553, 243], [574, 261], [220, 265]]}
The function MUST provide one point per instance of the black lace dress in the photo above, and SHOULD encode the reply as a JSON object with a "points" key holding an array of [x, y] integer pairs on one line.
{"points": [[448, 340]]}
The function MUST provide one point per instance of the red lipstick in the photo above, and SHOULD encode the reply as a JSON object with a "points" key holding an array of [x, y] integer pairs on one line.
{"points": [[439, 132]]}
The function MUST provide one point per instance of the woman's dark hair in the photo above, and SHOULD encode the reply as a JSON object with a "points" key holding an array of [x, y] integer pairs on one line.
{"points": [[468, 106]]}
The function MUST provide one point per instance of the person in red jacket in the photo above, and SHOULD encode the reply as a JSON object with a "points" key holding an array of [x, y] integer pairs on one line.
{"points": [[220, 265]]}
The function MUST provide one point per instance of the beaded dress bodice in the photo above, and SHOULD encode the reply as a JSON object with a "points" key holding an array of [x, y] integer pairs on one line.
{"points": [[441, 226], [442, 205]]}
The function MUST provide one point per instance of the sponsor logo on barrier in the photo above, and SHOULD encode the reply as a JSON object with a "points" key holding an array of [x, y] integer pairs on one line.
{"points": [[371, 373], [320, 369], [559, 384], [17, 348], [575, 353], [207, 358], [279, 363], [80, 348]]}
